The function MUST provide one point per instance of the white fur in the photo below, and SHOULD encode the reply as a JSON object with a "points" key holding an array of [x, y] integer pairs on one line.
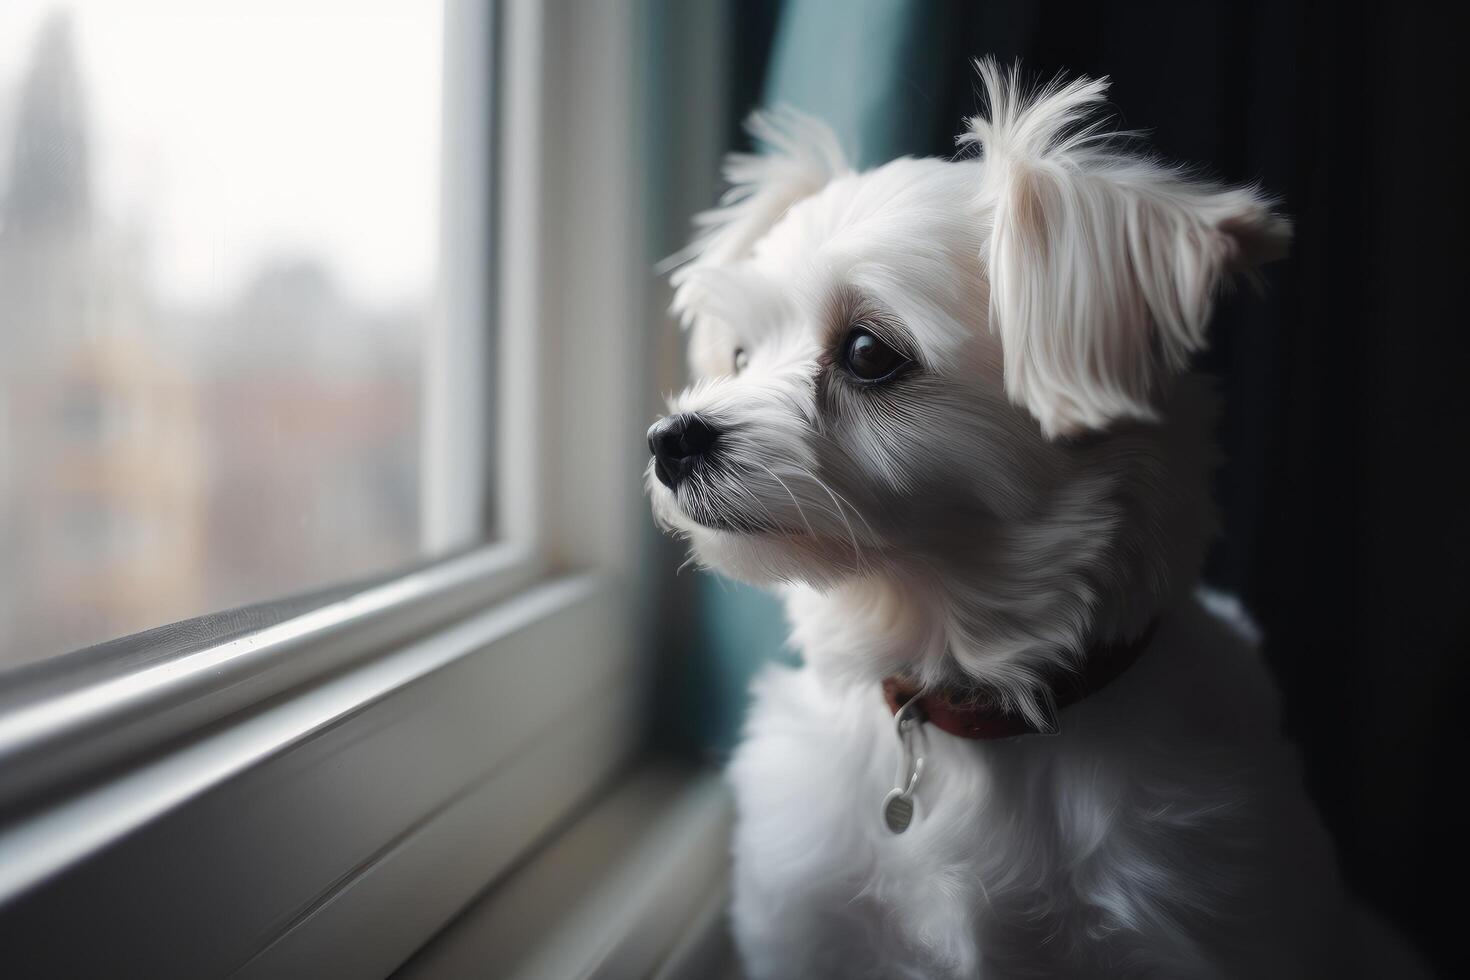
{"points": [[1035, 485], [1103, 266]]}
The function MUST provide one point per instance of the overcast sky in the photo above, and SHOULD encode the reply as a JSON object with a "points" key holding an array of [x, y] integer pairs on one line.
{"points": [[228, 131]]}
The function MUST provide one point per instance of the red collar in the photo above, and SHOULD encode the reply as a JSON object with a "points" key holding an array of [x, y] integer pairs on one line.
{"points": [[969, 713]]}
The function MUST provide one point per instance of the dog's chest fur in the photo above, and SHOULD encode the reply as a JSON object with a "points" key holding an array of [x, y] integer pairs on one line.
{"points": [[1163, 833]]}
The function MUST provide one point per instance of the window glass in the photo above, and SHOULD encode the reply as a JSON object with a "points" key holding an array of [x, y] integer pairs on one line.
{"points": [[219, 231]]}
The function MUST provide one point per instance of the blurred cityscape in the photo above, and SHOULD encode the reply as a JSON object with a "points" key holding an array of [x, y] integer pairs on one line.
{"points": [[161, 460]]}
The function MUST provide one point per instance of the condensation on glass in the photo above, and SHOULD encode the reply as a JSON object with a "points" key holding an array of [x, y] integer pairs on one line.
{"points": [[218, 265]]}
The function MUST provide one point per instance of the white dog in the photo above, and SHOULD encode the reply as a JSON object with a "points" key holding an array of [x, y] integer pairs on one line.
{"points": [[942, 405]]}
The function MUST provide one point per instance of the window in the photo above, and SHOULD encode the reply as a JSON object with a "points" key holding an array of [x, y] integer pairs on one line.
{"points": [[219, 263], [317, 783]]}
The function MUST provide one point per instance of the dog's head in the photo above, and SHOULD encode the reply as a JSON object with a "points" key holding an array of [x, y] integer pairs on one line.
{"points": [[952, 373]]}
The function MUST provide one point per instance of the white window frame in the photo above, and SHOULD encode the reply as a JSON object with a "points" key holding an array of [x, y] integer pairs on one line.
{"points": [[316, 786]]}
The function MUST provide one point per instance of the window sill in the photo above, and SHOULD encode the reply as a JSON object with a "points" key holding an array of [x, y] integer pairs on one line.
{"points": [[635, 888], [370, 804], [62, 721]]}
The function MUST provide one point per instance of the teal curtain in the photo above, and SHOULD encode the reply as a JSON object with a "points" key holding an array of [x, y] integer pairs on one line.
{"points": [[869, 68]]}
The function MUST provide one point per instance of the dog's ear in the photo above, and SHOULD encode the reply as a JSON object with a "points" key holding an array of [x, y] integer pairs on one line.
{"points": [[801, 154], [1103, 266]]}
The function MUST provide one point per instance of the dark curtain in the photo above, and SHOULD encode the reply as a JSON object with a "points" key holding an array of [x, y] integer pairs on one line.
{"points": [[1344, 494]]}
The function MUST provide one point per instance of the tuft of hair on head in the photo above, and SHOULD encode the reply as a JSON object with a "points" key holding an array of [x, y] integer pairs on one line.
{"points": [[798, 156], [1104, 264]]}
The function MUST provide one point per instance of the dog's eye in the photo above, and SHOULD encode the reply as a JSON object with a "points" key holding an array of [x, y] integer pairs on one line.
{"points": [[869, 359], [741, 359]]}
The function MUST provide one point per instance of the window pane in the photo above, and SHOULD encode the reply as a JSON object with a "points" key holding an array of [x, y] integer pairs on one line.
{"points": [[218, 263]]}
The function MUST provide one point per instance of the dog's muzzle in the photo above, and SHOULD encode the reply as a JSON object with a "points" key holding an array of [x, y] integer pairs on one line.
{"points": [[678, 444]]}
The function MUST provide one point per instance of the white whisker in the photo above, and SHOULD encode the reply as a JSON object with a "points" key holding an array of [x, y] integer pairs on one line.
{"points": [[811, 530]]}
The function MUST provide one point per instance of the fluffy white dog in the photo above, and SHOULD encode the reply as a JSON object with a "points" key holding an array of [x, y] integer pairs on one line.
{"points": [[943, 406]]}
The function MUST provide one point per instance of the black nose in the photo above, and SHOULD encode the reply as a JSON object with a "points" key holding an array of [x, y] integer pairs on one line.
{"points": [[677, 443]]}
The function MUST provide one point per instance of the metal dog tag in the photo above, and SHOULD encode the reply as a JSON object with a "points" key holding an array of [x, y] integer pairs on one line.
{"points": [[898, 811], [898, 805]]}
